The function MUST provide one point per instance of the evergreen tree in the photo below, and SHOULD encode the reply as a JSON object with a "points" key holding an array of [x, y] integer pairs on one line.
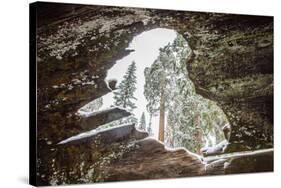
{"points": [[158, 79], [192, 121], [142, 124], [124, 95]]}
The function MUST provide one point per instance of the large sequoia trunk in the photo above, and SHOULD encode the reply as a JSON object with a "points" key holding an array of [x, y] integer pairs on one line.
{"points": [[162, 118], [198, 133]]}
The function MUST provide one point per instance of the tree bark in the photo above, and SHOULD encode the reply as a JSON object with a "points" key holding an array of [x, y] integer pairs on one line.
{"points": [[173, 137], [162, 118], [198, 134]]}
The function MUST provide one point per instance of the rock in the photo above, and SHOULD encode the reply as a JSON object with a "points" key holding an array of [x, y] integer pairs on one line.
{"points": [[108, 136], [112, 84], [95, 119], [151, 160], [253, 161], [227, 131], [215, 150], [216, 167], [122, 159]]}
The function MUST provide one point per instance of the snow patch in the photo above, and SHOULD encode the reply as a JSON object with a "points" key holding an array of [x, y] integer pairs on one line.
{"points": [[94, 113], [91, 133]]}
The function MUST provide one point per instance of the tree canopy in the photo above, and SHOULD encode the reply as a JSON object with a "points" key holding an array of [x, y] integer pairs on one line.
{"points": [[192, 121]]}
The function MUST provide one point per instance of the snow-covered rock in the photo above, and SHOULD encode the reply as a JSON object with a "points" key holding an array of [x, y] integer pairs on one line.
{"points": [[108, 135], [215, 150], [152, 160], [94, 119]]}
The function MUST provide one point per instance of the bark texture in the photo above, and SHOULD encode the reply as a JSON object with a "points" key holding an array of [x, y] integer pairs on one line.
{"points": [[231, 63]]}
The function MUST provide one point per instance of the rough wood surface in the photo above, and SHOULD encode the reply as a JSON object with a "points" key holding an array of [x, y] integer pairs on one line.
{"points": [[246, 162], [231, 63], [151, 160], [108, 136], [96, 119]]}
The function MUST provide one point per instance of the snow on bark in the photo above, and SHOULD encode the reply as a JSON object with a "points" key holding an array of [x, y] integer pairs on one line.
{"points": [[97, 118], [108, 135], [215, 150]]}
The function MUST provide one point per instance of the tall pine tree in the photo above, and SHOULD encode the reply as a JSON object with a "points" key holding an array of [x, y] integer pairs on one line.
{"points": [[124, 94], [158, 81], [192, 121]]}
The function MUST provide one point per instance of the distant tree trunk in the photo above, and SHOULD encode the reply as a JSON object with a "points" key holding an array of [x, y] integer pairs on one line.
{"points": [[198, 134], [162, 118], [173, 137], [149, 129]]}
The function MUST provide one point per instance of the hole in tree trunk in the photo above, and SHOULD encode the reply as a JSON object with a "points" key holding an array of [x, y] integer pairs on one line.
{"points": [[154, 87]]}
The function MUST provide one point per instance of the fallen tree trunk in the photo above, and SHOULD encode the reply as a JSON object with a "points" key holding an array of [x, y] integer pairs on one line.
{"points": [[245, 162]]}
